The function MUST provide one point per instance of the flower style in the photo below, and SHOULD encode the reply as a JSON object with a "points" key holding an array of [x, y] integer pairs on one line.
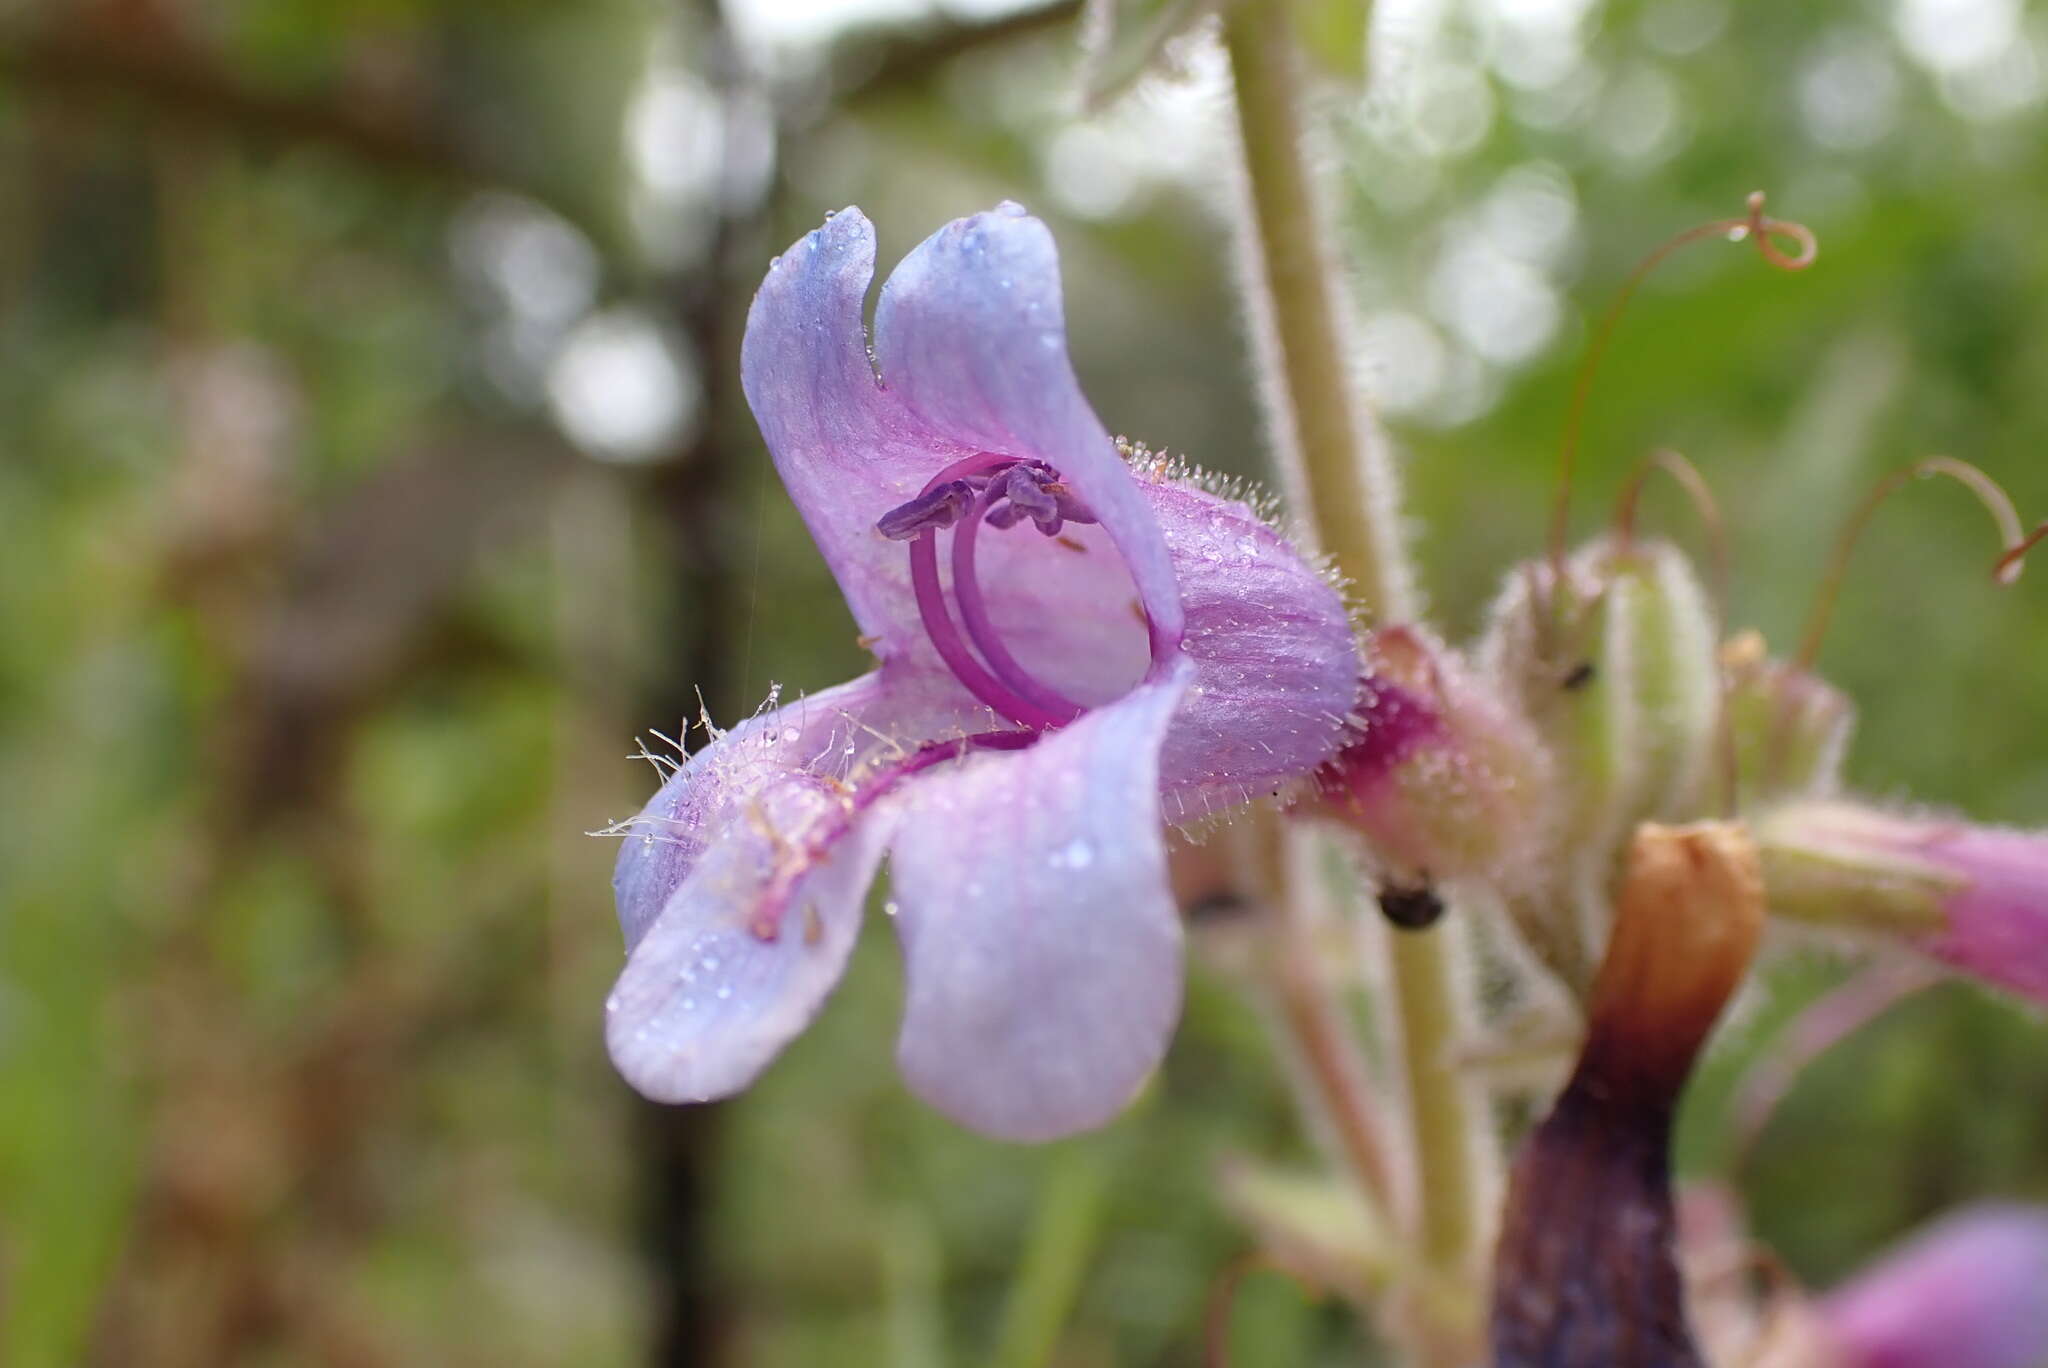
{"points": [[1102, 646]]}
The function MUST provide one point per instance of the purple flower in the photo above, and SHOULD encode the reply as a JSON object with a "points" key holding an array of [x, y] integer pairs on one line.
{"points": [[1072, 648], [1969, 1292], [1973, 897]]}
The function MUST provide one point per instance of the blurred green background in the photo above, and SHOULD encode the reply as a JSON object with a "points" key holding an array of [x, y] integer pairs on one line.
{"points": [[373, 468]]}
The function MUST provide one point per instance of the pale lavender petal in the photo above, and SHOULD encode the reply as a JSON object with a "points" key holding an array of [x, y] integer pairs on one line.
{"points": [[706, 795], [832, 733], [1276, 658], [852, 452], [1969, 1292], [971, 336], [709, 996], [1043, 948], [847, 451]]}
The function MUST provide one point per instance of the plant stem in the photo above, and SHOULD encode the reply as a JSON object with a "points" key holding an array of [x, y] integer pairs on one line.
{"points": [[1336, 467], [1313, 1023], [1442, 1109], [1310, 1015], [1050, 1270], [1344, 489]]}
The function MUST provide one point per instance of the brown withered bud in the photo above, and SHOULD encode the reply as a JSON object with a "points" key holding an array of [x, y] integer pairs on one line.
{"points": [[1586, 1271]]}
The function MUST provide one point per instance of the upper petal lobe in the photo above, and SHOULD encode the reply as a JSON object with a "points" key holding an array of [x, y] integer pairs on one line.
{"points": [[971, 335], [847, 451]]}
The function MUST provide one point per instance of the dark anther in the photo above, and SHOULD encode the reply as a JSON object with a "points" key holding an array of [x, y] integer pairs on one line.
{"points": [[1411, 909], [1033, 490], [942, 507], [1026, 488], [1581, 675]]}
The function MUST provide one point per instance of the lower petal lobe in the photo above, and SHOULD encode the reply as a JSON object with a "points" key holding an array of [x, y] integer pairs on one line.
{"points": [[1043, 948], [706, 1000], [740, 886]]}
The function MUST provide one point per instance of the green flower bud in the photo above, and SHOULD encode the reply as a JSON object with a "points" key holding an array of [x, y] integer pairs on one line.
{"points": [[1613, 662], [1787, 729], [1615, 666]]}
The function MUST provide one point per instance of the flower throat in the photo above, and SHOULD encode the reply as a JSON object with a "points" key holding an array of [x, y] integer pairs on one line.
{"points": [[1001, 491]]}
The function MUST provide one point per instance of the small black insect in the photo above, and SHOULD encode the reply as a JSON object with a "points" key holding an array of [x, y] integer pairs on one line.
{"points": [[1411, 909], [1581, 675]]}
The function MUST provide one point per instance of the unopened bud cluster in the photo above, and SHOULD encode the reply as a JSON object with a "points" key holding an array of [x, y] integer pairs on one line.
{"points": [[1600, 697]]}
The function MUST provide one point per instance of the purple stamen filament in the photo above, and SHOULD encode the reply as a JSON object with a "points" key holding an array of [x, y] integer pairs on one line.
{"points": [[938, 624], [1003, 683], [981, 629]]}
